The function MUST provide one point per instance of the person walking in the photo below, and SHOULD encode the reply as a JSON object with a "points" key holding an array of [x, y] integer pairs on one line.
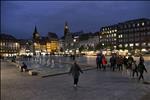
{"points": [[129, 67], [141, 69], [125, 65], [98, 61], [75, 71], [141, 59], [112, 62], [104, 62], [134, 69]]}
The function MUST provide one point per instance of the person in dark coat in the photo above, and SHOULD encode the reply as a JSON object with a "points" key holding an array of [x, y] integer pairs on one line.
{"points": [[98, 61], [112, 62], [141, 69], [141, 59], [24, 66], [75, 71], [134, 69]]}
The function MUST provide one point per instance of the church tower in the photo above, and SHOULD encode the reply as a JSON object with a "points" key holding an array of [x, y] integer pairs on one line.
{"points": [[66, 29], [36, 35]]}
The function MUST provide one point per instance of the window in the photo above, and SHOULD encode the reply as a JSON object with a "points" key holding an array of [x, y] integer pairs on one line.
{"points": [[120, 45], [110, 31], [131, 44], [148, 44], [114, 35], [136, 44], [143, 24], [138, 24], [143, 44]]}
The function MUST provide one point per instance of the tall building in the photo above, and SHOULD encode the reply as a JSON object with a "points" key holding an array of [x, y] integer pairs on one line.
{"points": [[133, 35], [53, 42], [66, 29], [36, 42], [9, 45], [68, 38]]}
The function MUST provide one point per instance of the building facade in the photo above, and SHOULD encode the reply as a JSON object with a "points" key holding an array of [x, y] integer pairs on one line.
{"points": [[9, 45], [46, 45], [133, 35]]}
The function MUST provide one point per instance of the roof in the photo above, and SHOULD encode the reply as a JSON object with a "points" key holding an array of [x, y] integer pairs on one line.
{"points": [[52, 35], [137, 20], [7, 37]]}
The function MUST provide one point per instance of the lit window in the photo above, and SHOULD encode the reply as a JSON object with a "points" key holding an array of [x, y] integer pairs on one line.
{"points": [[136, 44], [114, 39], [138, 24], [131, 44], [120, 45], [148, 44], [114, 35], [143, 44], [143, 24], [126, 45]]}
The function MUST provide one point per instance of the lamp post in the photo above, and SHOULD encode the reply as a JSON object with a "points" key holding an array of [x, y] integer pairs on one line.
{"points": [[74, 41]]}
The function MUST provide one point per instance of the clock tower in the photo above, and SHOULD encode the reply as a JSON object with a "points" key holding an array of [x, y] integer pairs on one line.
{"points": [[66, 29]]}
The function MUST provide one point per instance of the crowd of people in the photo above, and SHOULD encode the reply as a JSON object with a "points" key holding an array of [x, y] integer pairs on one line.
{"points": [[122, 63]]}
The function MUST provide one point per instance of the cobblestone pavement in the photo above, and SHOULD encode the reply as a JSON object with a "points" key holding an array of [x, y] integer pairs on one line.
{"points": [[93, 85]]}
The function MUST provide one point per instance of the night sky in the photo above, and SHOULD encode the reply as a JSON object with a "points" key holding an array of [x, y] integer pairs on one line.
{"points": [[20, 17]]}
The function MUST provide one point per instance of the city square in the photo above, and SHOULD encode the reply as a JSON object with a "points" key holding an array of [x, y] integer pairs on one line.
{"points": [[75, 50]]}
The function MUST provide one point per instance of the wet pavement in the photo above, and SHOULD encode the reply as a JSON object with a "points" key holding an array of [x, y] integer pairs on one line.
{"points": [[93, 84]]}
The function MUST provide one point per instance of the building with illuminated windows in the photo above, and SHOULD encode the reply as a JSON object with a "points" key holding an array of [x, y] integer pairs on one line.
{"points": [[9, 45], [133, 35], [45, 45]]}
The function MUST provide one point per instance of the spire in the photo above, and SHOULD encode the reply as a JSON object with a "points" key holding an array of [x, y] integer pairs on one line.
{"points": [[35, 30], [66, 24]]}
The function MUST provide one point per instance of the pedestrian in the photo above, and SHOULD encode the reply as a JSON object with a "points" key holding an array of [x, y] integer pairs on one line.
{"points": [[129, 67], [112, 62], [134, 69], [24, 66], [141, 69], [141, 59], [75, 71], [98, 61], [130, 61], [125, 65], [104, 62], [119, 62]]}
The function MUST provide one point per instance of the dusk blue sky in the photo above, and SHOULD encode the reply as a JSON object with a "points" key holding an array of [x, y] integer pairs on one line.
{"points": [[20, 17]]}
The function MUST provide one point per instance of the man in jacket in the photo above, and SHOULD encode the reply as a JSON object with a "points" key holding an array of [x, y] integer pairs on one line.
{"points": [[75, 71]]}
